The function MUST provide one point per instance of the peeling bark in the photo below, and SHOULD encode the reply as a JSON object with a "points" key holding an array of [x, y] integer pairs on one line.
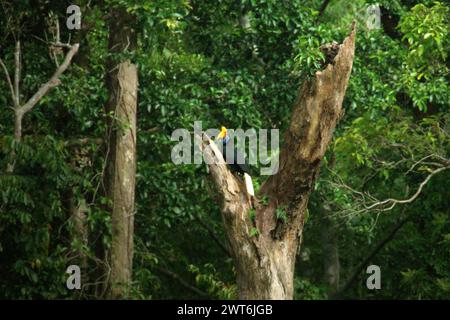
{"points": [[121, 162], [265, 262]]}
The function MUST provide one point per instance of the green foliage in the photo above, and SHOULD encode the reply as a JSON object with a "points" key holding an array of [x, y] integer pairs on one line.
{"points": [[310, 59], [305, 290], [393, 119], [265, 200], [208, 279], [254, 232], [252, 215], [197, 62], [281, 214], [426, 30]]}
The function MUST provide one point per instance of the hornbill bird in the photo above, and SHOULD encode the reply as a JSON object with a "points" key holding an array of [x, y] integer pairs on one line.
{"points": [[235, 167]]}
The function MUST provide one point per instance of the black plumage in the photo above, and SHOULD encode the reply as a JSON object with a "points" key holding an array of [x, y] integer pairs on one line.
{"points": [[235, 166]]}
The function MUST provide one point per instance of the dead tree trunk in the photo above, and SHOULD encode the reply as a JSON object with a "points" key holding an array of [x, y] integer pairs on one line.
{"points": [[265, 262], [120, 172]]}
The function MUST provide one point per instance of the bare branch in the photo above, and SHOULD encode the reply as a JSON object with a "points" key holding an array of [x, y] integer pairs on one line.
{"points": [[61, 45], [152, 130], [54, 81], [394, 202], [361, 198], [17, 74], [421, 161], [8, 79], [21, 110], [57, 30]]}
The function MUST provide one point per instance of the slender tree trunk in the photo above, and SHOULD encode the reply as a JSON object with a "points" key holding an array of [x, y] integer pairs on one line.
{"points": [[265, 262], [78, 216], [18, 116], [330, 247], [121, 155]]}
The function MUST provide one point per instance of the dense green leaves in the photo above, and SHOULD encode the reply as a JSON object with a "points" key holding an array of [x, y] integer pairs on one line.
{"points": [[238, 64]]}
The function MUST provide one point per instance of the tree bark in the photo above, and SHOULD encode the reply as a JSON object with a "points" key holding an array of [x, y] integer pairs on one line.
{"points": [[330, 245], [265, 262], [120, 172], [78, 215]]}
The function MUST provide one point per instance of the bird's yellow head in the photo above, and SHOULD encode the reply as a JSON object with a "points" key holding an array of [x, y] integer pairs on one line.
{"points": [[223, 133]]}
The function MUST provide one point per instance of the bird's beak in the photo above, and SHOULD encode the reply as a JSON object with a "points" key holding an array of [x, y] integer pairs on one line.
{"points": [[223, 133]]}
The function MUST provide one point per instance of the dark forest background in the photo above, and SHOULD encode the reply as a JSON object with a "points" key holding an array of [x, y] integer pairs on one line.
{"points": [[239, 64]]}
